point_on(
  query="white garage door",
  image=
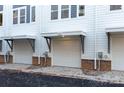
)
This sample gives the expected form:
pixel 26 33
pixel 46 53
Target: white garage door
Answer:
pixel 22 52
pixel 118 53
pixel 67 52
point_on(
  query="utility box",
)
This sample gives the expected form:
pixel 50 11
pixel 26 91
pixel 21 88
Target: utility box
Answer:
pixel 100 55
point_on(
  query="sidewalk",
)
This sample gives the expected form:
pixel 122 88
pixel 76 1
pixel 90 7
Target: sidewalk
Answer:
pixel 111 76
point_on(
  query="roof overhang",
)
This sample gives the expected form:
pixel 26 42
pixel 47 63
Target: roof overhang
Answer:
pixel 115 30
pixel 18 37
pixel 61 34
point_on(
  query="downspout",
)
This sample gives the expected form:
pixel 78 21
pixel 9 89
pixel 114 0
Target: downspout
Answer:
pixel 40 38
pixel 95 63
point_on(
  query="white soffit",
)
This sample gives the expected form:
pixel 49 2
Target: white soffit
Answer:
pixel 114 29
pixel 19 37
pixel 66 33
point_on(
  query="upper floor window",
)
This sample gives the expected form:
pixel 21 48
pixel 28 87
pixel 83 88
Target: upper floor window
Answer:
pixel 81 10
pixel 15 17
pixel 73 11
pixel 33 14
pixel 54 12
pixel 64 11
pixel 22 16
pixel 1 19
pixel 1 15
pixel 0 45
pixel 67 11
pixel 115 7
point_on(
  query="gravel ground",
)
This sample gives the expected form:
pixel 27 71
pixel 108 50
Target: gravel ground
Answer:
pixel 110 76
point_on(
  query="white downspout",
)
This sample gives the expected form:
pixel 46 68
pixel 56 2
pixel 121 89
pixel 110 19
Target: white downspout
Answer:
pixel 40 40
pixel 95 64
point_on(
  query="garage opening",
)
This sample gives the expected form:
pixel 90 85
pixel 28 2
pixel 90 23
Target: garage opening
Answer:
pixel 65 47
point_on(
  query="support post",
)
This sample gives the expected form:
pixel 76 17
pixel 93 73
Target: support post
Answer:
pixel 32 44
pixel 108 36
pixel 10 45
pixel 82 43
pixel 48 40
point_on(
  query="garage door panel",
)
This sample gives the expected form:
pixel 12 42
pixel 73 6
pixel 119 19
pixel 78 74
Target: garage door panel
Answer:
pixel 22 52
pixel 66 52
pixel 118 53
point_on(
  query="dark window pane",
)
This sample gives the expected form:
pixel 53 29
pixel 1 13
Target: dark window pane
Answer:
pixel 17 6
pixel 73 11
pixel 22 16
pixel 65 14
pixel 0 45
pixel 54 12
pixel 115 7
pixel 28 14
pixel 65 7
pixel 15 16
pixel 54 7
pixel 54 15
pixel 1 19
pixel 33 14
pixel 22 19
pixel 81 10
pixel 64 11
pixel 22 12
pixel 15 20
pixel 1 7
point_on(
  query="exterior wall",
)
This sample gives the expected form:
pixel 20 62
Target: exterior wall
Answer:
pixel 94 23
pixel 32 28
pixel 84 23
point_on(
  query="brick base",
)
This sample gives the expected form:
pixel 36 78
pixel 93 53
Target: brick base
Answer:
pixel 105 65
pixel 2 59
pixel 43 62
pixel 102 65
pixel 35 61
pixel 87 64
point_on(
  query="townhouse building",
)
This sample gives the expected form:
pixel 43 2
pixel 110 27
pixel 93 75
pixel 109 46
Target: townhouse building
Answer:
pixel 82 36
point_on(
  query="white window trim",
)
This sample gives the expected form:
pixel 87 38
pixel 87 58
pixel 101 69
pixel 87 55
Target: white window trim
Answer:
pixel 18 9
pixel 69 18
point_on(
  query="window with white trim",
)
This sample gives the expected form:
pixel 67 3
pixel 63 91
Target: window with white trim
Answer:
pixel 115 7
pixel 0 45
pixel 33 14
pixel 1 19
pixel 54 12
pixel 19 15
pixel 15 16
pixel 65 11
pixel 22 16
pixel 73 11
pixel 81 10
